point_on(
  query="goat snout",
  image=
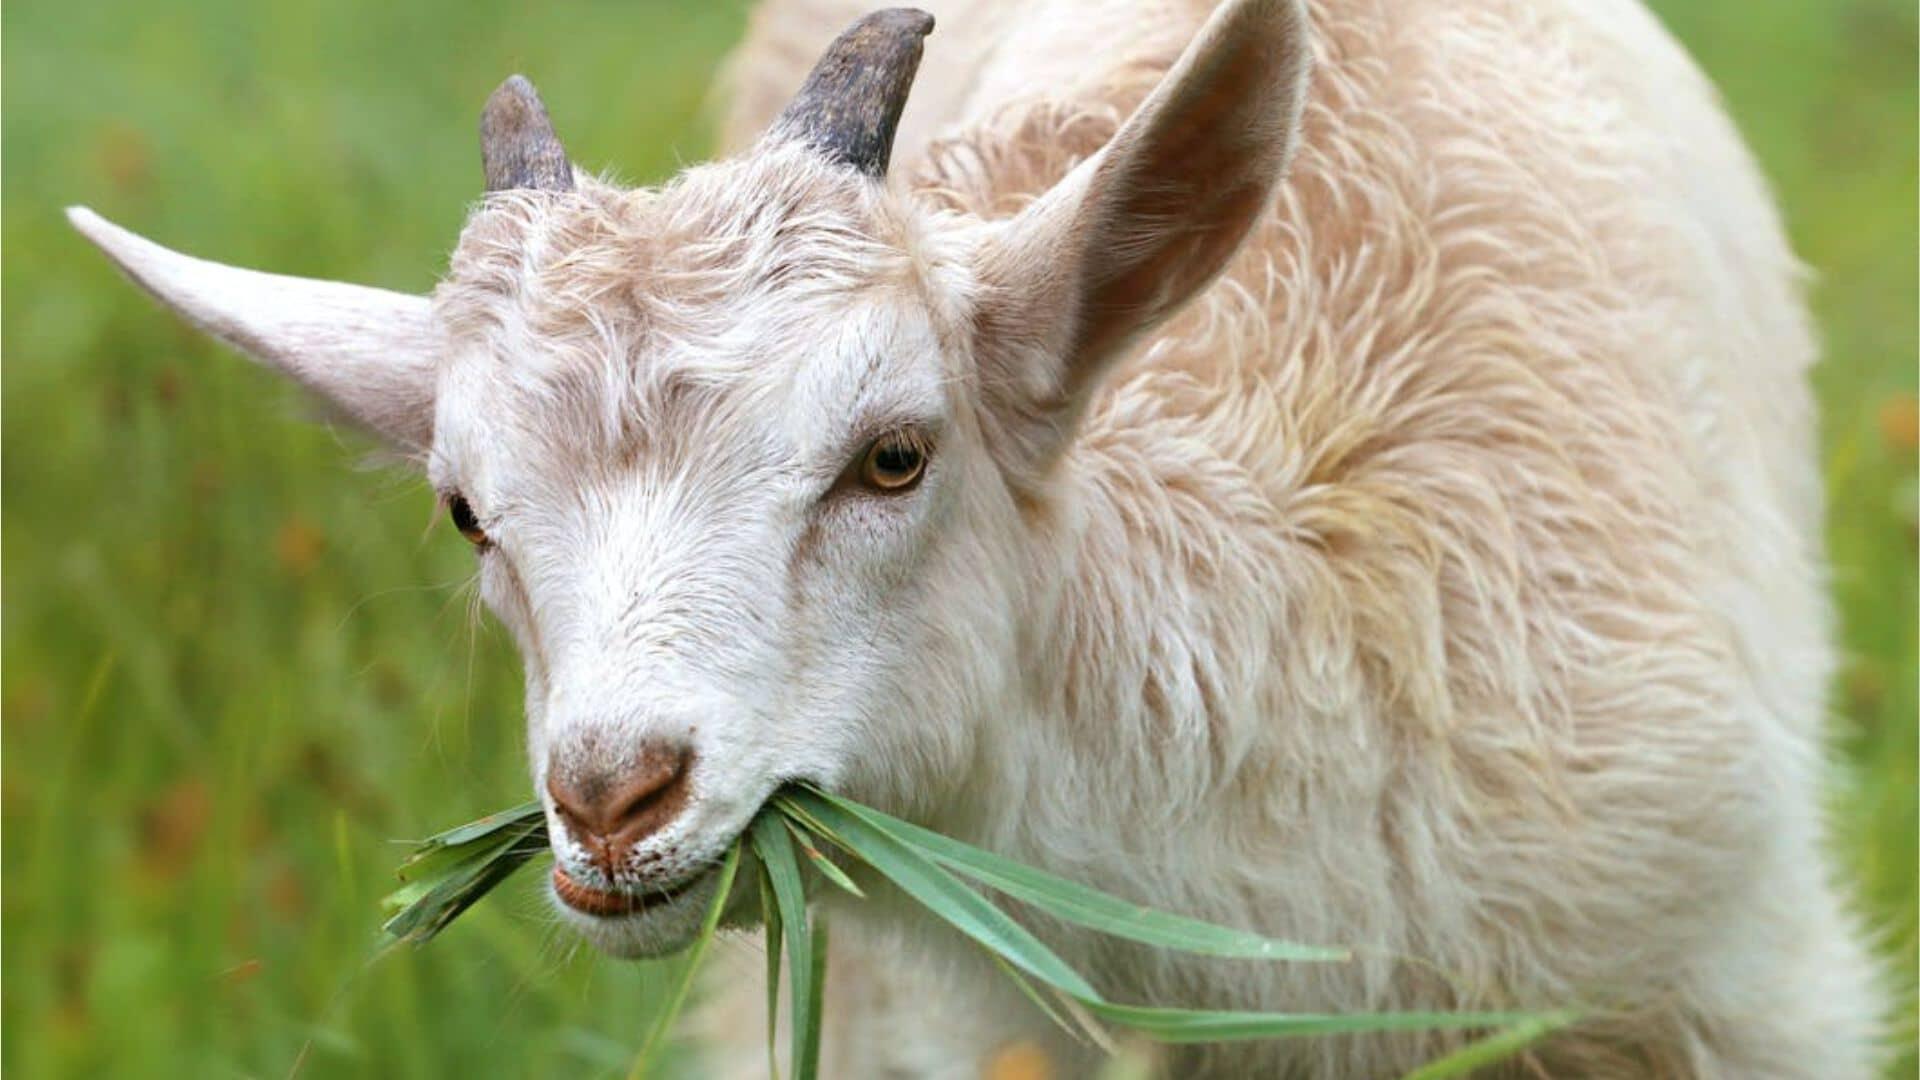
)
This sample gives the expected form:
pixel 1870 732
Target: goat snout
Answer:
pixel 609 811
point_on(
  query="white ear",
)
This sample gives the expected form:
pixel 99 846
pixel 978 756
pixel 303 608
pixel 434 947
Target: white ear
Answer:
pixel 369 352
pixel 1140 227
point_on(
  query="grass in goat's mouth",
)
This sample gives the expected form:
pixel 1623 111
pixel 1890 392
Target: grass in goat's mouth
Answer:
pixel 792 836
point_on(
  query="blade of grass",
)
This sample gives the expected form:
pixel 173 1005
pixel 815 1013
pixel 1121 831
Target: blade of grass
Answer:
pixel 1494 1048
pixel 1078 904
pixel 663 1023
pixel 820 862
pixel 425 913
pixel 445 847
pixel 774 848
pixel 770 919
pixel 816 993
pixel 1082 1027
pixel 524 814
pixel 947 897
pixel 1203 1025
pixel 433 858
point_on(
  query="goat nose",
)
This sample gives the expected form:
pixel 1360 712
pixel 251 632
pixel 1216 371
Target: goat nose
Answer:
pixel 608 812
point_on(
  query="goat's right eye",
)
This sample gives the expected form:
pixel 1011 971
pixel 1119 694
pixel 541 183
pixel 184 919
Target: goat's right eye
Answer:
pixel 463 519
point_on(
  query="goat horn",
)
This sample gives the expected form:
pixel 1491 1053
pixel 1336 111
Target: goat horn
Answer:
pixel 518 148
pixel 850 104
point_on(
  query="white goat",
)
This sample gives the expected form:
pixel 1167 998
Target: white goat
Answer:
pixel 1424 558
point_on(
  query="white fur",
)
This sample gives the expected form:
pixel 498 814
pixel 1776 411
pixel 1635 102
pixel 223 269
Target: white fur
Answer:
pixel 1441 580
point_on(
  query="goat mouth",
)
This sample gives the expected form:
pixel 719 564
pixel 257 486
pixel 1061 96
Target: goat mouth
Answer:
pixel 606 904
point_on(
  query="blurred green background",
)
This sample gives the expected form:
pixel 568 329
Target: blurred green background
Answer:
pixel 236 667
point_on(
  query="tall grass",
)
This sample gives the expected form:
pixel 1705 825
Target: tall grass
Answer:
pixel 233 667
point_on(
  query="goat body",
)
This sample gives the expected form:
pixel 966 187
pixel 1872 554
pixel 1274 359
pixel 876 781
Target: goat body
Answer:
pixel 1376 507
pixel 1445 578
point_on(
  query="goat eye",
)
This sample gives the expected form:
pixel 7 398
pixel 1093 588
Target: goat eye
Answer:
pixel 893 464
pixel 463 519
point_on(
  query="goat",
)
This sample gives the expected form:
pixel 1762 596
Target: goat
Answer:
pixel 1419 552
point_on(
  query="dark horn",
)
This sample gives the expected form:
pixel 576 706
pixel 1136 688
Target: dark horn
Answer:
pixel 518 148
pixel 850 105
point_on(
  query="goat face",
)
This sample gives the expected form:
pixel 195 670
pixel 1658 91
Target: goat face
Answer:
pixel 714 447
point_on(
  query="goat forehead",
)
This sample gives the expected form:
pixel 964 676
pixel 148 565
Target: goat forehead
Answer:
pixel 790 391
pixel 673 259
pixel 744 301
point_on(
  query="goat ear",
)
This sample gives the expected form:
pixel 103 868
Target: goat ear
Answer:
pixel 368 352
pixel 1141 226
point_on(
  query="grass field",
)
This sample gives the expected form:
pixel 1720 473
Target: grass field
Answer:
pixel 236 668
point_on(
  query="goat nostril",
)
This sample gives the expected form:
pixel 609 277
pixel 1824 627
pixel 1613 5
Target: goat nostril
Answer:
pixel 653 782
pixel 573 809
pixel 609 813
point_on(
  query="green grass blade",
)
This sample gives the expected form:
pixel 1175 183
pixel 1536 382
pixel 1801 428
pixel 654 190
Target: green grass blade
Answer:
pixel 434 858
pixel 1081 1027
pixel 406 896
pixel 662 1024
pixel 1494 1048
pixel 943 895
pixel 820 861
pixel 517 817
pixel 816 993
pixel 428 904
pixel 812 826
pixel 774 848
pixel 1203 1025
pixel 770 919
pixel 1075 903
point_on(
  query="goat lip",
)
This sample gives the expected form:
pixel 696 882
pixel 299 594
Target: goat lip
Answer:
pixel 605 904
